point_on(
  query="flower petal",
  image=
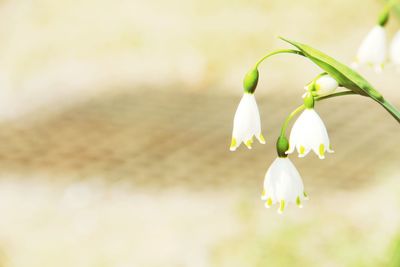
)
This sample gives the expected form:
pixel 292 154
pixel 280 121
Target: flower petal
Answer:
pixel 395 49
pixel 308 133
pixel 373 48
pixel 282 184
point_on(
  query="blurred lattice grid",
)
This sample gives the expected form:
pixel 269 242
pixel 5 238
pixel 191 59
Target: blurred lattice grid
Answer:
pixel 162 139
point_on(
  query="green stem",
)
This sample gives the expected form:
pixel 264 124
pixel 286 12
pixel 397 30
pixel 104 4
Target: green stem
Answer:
pixel 302 107
pixel 390 108
pixel 335 95
pixel 392 4
pixel 281 51
pixel 290 117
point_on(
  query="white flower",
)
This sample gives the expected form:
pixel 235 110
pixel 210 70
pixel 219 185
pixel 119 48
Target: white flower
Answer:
pixel 246 123
pixel 323 85
pixel 308 133
pixel 395 49
pixel 373 48
pixel 283 185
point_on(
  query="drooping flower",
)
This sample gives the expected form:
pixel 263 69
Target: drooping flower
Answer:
pixel 395 50
pixel 283 185
pixel 246 123
pixel 309 133
pixel 323 85
pixel 372 50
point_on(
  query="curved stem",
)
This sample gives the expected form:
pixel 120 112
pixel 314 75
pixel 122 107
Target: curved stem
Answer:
pixel 302 107
pixel 335 95
pixel 281 51
pixel 289 118
pixel 316 78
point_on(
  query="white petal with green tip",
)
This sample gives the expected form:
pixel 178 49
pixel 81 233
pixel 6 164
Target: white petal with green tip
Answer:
pixel 246 123
pixel 283 185
pixel 372 50
pixel 309 133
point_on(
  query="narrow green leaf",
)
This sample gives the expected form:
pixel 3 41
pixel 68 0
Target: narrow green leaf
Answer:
pixel 345 76
pixel 391 109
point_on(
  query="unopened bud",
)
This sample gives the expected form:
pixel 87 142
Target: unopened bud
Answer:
pixel 325 85
pixel 282 145
pixel 250 81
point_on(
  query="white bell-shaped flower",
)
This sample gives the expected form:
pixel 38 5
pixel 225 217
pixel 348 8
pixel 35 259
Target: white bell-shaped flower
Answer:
pixel 395 50
pixel 246 123
pixel 283 185
pixel 373 48
pixel 309 133
pixel 323 85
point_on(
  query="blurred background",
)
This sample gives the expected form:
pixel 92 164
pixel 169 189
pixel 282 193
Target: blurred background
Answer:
pixel 115 124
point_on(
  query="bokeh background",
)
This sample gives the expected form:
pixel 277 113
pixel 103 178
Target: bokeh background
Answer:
pixel 115 123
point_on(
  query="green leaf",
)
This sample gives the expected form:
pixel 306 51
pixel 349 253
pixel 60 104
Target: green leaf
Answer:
pixel 345 76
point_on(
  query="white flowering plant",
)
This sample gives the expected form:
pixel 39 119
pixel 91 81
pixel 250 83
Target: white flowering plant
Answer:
pixel 283 183
pixel 373 48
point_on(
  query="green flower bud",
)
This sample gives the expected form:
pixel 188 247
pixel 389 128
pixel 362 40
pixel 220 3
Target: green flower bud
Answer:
pixel 282 145
pixel 383 17
pixel 309 101
pixel 250 81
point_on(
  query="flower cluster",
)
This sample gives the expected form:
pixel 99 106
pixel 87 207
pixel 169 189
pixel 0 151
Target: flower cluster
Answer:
pixel 282 182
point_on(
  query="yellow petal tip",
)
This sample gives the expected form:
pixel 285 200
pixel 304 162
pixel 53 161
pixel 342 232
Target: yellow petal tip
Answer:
pixel 261 139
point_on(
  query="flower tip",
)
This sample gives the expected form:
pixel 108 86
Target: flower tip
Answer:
pixel 249 143
pixel 264 195
pixel 233 145
pixel 298 202
pixel 321 151
pixel 281 206
pixel 268 203
pixel 261 139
